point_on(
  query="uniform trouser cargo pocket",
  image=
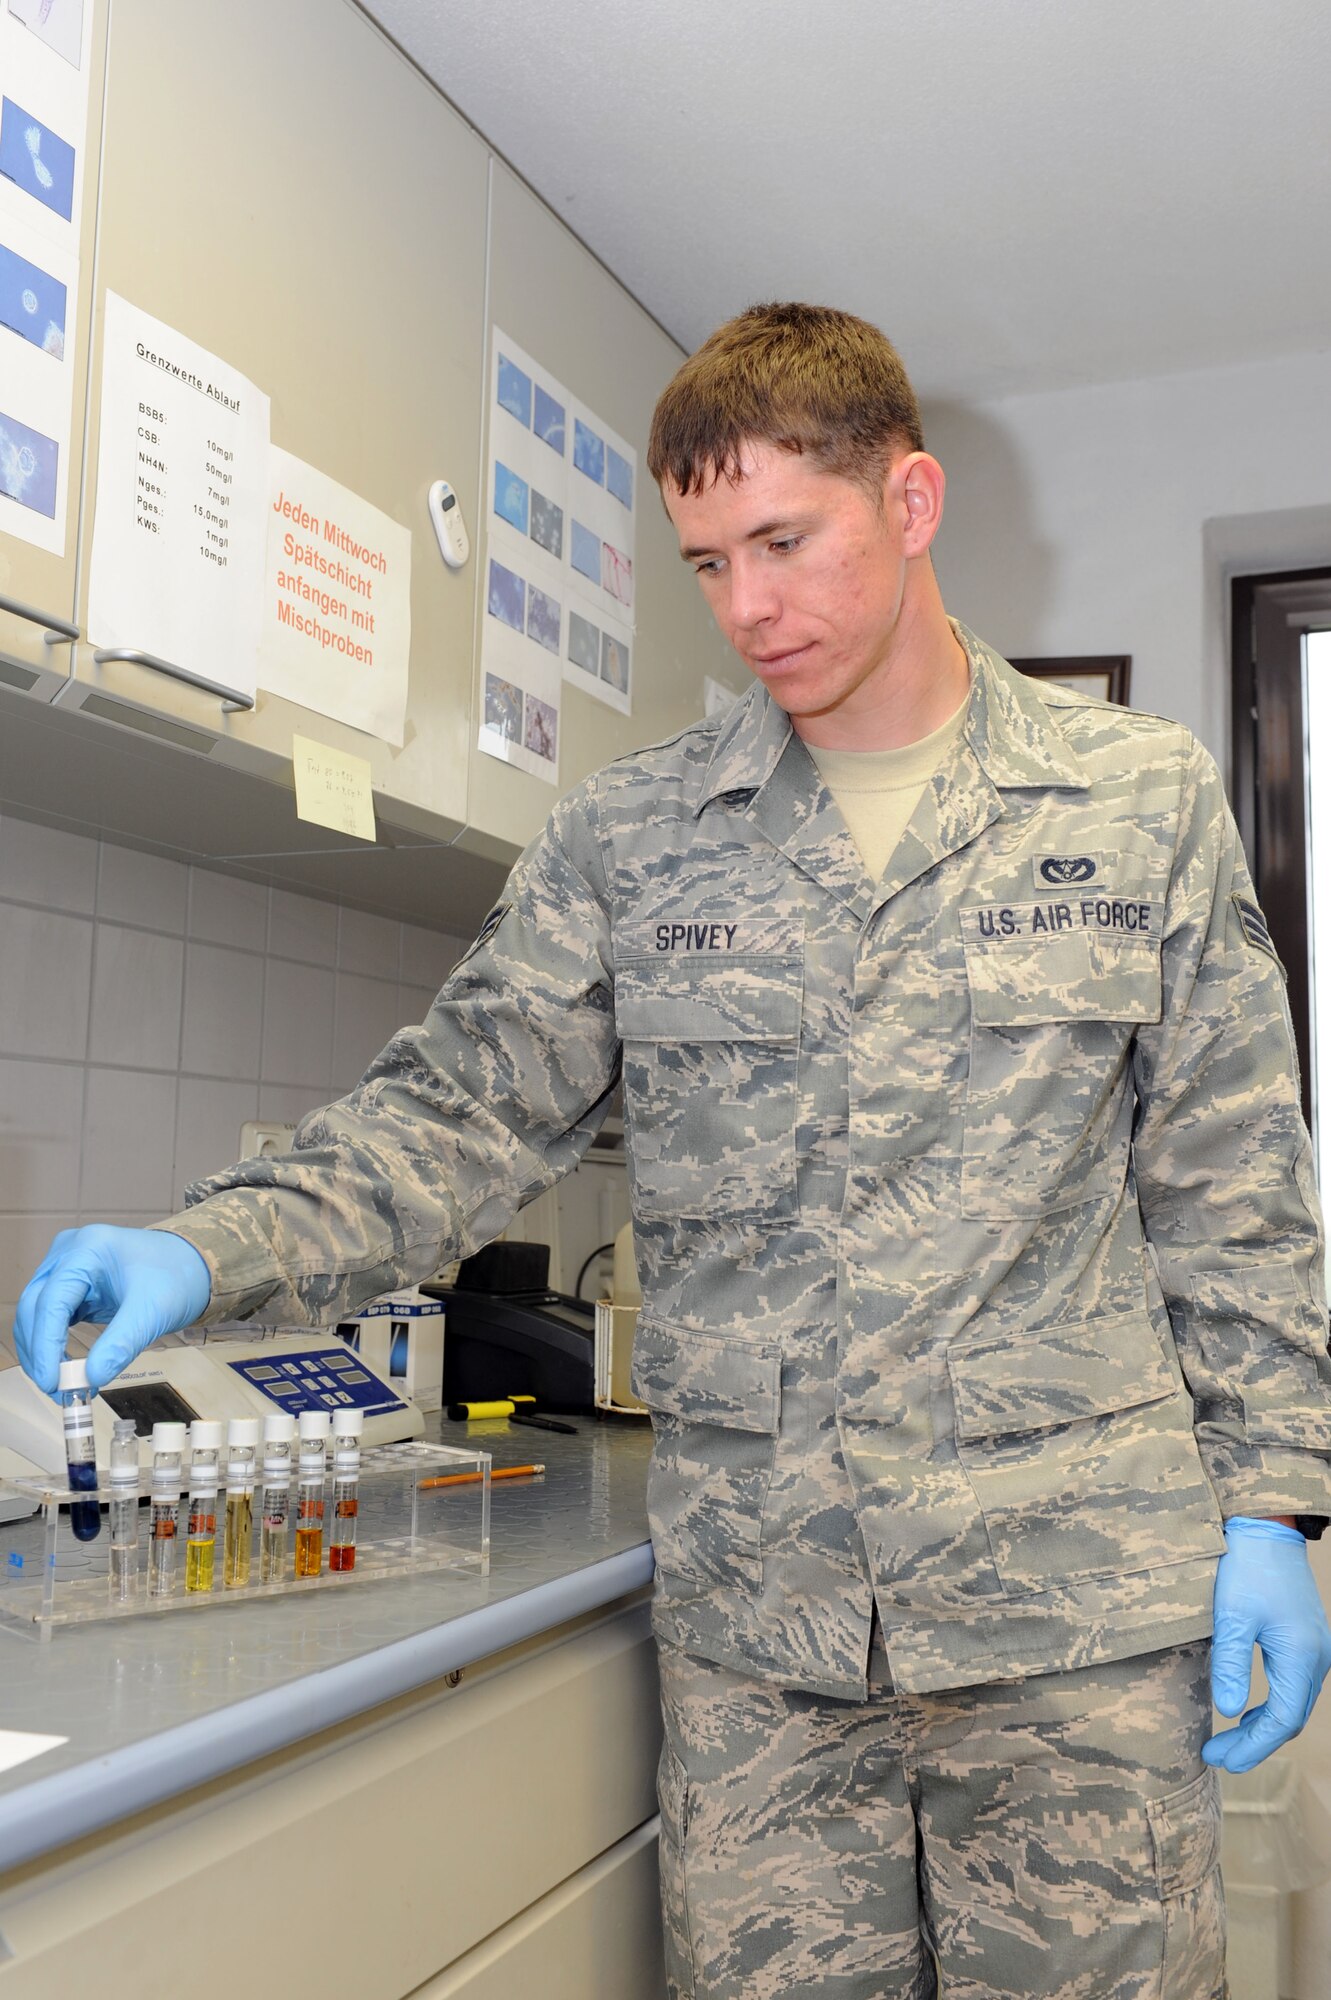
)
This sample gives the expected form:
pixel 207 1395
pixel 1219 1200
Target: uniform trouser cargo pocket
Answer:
pixel 715 1405
pixel 1185 1828
pixel 672 1793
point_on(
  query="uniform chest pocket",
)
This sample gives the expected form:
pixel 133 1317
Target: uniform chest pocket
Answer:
pixel 711 1069
pixel 1048 1097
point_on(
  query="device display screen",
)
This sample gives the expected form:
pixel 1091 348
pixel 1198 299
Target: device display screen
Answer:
pixel 565 1316
pixel 149 1403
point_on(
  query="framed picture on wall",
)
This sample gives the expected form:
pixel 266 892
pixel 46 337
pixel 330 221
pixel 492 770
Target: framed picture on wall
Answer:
pixel 1105 675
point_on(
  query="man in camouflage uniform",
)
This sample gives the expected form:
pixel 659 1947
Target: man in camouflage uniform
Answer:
pixel 980 1256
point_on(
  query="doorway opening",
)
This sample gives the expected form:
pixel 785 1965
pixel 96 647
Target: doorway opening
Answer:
pixel 1282 800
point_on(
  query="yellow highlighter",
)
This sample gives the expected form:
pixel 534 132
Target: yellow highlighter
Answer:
pixel 503 1407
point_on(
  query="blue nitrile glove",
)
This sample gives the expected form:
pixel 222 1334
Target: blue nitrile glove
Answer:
pixel 137 1283
pixel 1265 1595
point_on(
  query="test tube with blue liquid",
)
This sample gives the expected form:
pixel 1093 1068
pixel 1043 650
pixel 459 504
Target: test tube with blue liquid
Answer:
pixel 80 1449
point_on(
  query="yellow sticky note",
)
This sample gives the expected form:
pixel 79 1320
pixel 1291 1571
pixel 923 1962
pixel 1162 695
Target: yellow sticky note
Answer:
pixel 333 788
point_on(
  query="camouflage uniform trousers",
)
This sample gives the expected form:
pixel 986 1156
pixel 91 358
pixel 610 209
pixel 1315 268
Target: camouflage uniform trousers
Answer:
pixel 1055 1837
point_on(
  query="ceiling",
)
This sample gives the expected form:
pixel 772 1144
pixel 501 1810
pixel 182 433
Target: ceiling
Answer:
pixel 1026 194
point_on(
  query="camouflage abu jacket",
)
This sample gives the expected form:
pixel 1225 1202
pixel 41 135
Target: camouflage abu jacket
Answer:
pixel 980 1254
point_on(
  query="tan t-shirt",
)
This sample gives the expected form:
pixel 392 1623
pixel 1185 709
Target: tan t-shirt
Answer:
pixel 878 790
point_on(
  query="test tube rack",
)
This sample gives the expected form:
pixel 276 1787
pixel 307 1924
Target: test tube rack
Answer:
pixel 49 1579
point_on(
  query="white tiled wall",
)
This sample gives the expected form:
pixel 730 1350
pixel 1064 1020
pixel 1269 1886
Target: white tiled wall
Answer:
pixel 147 1009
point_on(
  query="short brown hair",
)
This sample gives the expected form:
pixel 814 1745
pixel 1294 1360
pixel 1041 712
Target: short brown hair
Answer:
pixel 803 378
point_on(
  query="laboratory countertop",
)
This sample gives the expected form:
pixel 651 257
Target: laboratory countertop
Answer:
pixel 152 1706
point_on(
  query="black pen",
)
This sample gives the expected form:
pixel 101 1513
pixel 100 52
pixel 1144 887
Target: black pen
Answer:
pixel 535 1423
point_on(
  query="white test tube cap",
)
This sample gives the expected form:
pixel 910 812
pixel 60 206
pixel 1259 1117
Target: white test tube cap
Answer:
pixel 279 1427
pixel 169 1436
pixel 348 1423
pixel 73 1375
pixel 314 1424
pixel 242 1431
pixel 205 1434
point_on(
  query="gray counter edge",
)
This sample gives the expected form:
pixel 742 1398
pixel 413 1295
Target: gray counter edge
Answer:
pixel 53 1811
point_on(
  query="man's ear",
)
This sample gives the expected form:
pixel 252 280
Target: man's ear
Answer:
pixel 920 483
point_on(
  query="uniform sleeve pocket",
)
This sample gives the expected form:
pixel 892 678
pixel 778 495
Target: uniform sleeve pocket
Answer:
pixel 716 1409
pixel 1264 1342
pixel 1077 1441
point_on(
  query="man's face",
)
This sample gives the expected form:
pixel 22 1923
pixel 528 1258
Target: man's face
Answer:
pixel 804 575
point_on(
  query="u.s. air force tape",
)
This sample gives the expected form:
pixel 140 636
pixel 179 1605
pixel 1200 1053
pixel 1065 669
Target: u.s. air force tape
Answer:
pixel 1110 916
pixel 1253 925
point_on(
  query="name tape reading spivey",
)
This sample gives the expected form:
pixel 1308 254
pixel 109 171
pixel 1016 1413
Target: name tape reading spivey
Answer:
pixel 740 937
pixel 1118 916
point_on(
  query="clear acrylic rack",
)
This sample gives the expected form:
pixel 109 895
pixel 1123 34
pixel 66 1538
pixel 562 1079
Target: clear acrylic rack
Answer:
pixel 406 1527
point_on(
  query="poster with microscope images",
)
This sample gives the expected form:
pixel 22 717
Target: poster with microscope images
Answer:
pixel 45 49
pixel 561 492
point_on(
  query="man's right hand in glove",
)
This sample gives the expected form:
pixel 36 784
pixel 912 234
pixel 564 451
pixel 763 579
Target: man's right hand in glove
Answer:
pixel 135 1283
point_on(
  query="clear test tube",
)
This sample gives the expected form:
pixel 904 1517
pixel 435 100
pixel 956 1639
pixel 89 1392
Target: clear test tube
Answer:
pixel 310 1492
pixel 124 1510
pixel 80 1450
pixel 205 1438
pixel 347 1427
pixel 242 1442
pixel 279 1432
pixel 168 1445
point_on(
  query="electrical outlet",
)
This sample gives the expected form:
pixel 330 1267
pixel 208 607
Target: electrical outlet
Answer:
pixel 258 1135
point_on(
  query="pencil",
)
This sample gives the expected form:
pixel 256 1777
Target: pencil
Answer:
pixel 473 1478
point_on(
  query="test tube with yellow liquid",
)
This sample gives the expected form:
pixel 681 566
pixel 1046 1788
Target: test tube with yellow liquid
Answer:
pixel 310 1475
pixel 205 1437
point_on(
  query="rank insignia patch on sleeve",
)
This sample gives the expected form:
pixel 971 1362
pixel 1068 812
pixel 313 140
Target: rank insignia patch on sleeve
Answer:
pixel 492 923
pixel 487 930
pixel 1253 924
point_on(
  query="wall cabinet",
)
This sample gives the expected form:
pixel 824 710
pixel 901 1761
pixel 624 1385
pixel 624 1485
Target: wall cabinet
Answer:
pixel 283 187
pixel 31 578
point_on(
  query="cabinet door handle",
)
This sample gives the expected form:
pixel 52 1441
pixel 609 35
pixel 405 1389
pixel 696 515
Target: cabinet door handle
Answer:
pixel 229 697
pixel 56 631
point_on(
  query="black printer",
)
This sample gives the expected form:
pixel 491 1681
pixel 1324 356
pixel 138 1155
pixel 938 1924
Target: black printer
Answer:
pixel 507 1334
